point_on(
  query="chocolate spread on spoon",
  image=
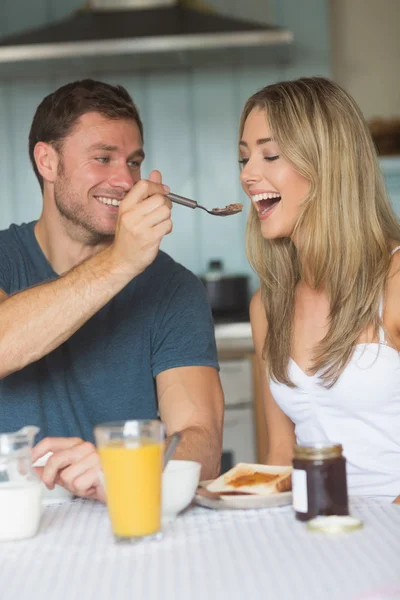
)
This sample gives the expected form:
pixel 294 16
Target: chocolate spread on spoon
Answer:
pixel 230 208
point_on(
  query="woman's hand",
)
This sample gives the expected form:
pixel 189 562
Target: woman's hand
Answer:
pixel 396 500
pixel 74 464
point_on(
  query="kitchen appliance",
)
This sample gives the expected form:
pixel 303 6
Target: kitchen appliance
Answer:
pixel 228 294
pixel 139 35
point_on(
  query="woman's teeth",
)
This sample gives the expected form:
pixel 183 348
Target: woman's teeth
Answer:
pixel 109 201
pixel 266 196
pixel 266 201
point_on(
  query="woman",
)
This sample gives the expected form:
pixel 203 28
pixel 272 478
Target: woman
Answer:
pixel 325 242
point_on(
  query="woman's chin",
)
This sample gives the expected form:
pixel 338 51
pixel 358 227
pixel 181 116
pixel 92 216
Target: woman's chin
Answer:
pixel 274 230
pixel 270 233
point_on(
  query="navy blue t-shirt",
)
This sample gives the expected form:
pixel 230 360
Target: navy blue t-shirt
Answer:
pixel 106 370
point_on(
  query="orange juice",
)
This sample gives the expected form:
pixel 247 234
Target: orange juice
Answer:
pixel 132 474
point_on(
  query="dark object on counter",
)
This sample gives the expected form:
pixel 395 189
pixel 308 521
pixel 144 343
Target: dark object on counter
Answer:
pixel 319 481
pixel 228 294
pixel 386 135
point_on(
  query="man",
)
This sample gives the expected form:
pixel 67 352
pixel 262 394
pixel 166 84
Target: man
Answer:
pixel 96 323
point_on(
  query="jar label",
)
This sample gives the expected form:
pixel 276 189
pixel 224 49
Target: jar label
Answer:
pixel 299 485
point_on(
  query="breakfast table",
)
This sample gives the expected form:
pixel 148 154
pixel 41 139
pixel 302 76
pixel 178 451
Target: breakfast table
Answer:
pixel 205 554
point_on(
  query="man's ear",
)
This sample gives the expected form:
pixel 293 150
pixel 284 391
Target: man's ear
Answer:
pixel 47 159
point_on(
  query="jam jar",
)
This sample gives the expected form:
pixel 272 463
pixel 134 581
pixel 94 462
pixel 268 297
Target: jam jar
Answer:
pixel 319 481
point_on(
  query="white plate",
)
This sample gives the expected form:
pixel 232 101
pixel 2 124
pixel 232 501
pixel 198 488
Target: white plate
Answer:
pixel 243 502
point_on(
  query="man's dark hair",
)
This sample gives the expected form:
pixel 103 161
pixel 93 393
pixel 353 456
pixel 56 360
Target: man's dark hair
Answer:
pixel 58 113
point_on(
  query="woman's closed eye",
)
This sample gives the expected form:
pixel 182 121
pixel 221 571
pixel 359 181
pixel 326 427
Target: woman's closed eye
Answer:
pixel 244 161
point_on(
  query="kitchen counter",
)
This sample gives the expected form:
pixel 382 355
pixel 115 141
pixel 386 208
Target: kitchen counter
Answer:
pixel 234 337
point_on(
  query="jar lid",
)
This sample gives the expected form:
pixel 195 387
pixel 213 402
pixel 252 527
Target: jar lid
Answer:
pixel 318 451
pixel 334 524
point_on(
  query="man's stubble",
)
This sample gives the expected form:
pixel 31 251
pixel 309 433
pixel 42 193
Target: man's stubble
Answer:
pixel 78 221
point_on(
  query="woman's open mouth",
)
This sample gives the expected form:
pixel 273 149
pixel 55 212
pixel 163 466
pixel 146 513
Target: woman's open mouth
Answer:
pixel 265 202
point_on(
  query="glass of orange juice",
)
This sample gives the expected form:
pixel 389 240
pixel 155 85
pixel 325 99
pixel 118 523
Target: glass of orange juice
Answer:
pixel 131 455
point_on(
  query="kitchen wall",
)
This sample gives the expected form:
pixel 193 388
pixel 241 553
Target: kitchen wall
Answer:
pixel 366 53
pixel 190 120
pixel 365 61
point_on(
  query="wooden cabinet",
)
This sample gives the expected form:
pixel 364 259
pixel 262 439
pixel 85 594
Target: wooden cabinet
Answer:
pixel 241 384
pixel 239 438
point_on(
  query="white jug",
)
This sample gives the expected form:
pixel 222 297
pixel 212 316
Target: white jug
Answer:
pixel 20 488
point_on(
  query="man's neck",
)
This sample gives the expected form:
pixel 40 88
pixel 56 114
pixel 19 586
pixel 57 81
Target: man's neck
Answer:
pixel 62 250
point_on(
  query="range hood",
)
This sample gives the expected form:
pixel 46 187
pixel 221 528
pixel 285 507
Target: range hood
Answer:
pixel 140 35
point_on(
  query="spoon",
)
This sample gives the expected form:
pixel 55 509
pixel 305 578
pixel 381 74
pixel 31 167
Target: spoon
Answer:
pixel 231 209
pixel 171 447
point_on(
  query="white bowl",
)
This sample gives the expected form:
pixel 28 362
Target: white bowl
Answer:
pixel 179 483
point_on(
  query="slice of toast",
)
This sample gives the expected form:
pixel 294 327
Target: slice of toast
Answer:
pixel 253 479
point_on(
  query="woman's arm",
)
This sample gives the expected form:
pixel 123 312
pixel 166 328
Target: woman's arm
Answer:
pixel 280 428
pixel 391 315
pixel 392 309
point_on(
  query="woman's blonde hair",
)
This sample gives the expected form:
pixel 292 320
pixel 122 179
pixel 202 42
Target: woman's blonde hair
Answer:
pixel 344 232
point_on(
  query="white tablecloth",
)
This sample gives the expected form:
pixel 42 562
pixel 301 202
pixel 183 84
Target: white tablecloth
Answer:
pixel 205 555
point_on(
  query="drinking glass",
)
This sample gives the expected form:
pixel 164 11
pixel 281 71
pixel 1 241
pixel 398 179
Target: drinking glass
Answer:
pixel 131 455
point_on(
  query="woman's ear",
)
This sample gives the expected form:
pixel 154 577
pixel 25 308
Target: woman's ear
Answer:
pixel 47 159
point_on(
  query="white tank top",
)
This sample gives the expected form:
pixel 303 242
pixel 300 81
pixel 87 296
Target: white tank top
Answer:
pixel 361 411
